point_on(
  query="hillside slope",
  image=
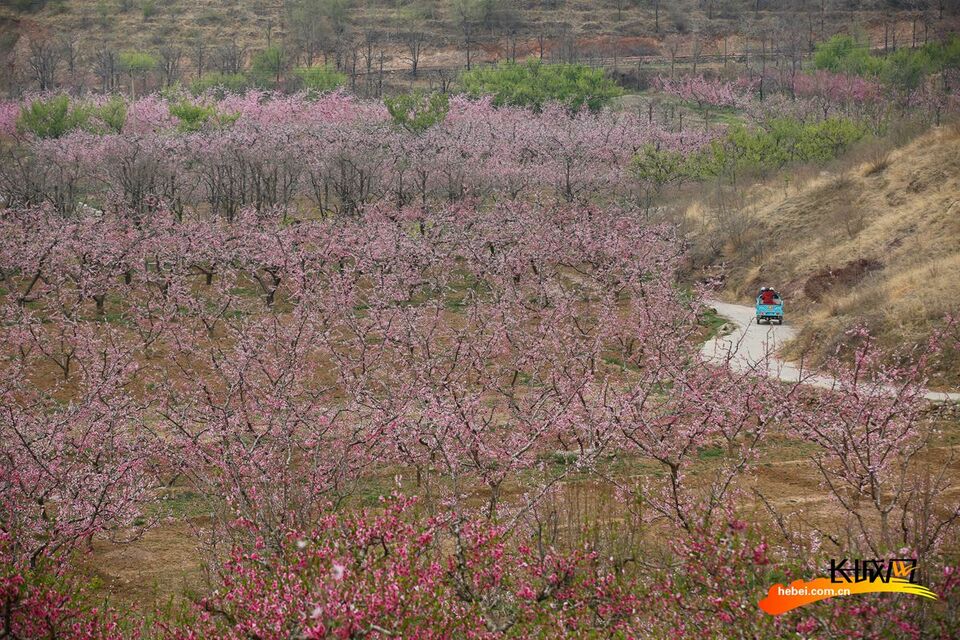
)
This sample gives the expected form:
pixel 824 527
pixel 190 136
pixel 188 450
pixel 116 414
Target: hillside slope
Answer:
pixel 563 30
pixel 879 242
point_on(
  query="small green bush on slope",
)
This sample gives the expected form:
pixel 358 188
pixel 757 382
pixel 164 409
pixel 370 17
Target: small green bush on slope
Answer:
pixel 534 84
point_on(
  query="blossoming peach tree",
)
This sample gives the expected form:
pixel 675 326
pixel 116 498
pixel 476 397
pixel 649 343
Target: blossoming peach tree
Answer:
pixel 294 307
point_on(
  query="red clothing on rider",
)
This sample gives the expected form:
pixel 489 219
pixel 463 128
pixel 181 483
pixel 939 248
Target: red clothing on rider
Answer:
pixel 767 296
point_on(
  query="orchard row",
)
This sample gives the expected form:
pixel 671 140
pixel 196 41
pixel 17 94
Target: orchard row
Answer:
pixel 337 154
pixel 276 365
pixel 334 155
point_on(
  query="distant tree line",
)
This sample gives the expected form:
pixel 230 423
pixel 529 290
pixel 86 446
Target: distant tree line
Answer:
pixel 320 44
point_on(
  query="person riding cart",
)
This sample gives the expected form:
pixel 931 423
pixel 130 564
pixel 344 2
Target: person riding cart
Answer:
pixel 769 306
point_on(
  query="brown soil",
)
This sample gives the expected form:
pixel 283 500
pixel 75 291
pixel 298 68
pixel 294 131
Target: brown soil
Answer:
pixel 164 564
pixel 820 284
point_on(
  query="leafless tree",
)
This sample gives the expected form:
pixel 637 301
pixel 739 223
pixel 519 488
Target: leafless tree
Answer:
pixel 44 57
pixel 696 49
pixel 380 76
pixel 621 5
pixel 466 17
pixel 512 36
pixel 918 11
pixel 763 61
pixel 70 46
pixel 199 46
pixel 709 6
pixel 811 35
pixel 673 48
pixel 415 43
pixel 353 61
pixel 566 44
pixel 791 45
pixel 268 27
pixel 308 28
pixel 230 57
pixel 342 34
pixel 106 66
pixel 371 39
pixel 445 79
pixel 170 63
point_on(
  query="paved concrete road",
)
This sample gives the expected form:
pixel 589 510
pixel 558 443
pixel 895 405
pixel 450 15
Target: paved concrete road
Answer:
pixel 752 346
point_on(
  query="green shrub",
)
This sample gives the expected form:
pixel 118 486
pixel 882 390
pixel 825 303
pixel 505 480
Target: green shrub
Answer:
pixel 54 117
pixel 267 66
pixel 194 117
pixel 149 8
pixel 28 6
pixel 904 69
pixel 846 54
pixel 104 14
pixel 137 63
pixel 320 78
pixel 535 84
pixel 416 112
pixel 221 83
pixel 113 113
pixel 656 168
pixel 782 142
pixel 173 92
pixel 947 54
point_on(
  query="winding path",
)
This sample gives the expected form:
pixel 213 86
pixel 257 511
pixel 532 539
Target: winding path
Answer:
pixel 752 346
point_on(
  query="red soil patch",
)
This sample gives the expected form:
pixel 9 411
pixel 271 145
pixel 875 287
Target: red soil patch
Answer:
pixel 820 284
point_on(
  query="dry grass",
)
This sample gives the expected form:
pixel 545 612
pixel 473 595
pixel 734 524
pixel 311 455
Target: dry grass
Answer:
pixel 880 163
pixel 879 243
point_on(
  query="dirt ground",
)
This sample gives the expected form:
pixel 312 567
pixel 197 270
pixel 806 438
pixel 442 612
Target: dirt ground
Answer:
pixel 164 564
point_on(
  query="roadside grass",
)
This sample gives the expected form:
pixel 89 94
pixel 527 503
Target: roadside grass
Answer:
pixel 181 503
pixel 715 324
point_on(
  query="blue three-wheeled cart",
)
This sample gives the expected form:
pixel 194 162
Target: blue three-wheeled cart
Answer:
pixel 769 306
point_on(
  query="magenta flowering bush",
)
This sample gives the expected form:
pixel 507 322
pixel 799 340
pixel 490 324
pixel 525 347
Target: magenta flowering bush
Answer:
pixel 377 575
pixel 276 368
pixel 9 112
pixel 35 604
pixel 842 90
